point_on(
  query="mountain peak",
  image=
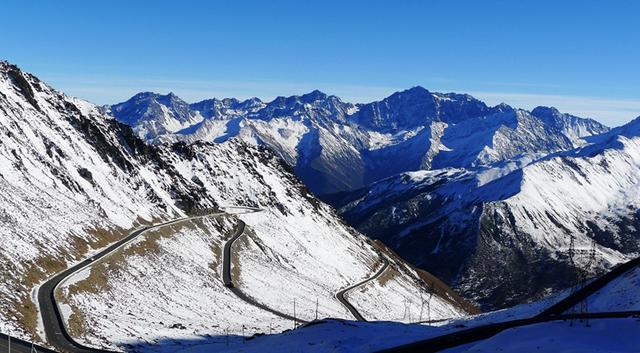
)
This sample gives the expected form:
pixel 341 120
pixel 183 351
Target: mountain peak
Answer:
pixel 545 111
pixel 313 96
pixel 170 99
pixel 417 89
pixel 143 96
pixel 4 65
pixel 503 107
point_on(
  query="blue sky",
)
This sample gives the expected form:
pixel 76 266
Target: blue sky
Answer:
pixel 580 56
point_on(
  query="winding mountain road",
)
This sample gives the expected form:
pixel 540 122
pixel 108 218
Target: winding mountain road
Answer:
pixel 553 313
pixel 340 295
pixel 54 324
pixel 226 271
pixel 228 281
pixel 52 318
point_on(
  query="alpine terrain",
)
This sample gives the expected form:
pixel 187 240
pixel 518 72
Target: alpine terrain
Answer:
pixel 210 239
pixel 528 225
pixel 335 146
pixel 427 173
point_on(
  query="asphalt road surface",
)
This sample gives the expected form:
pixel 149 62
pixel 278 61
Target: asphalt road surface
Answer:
pixel 54 325
pixel 345 302
pixel 58 336
pixel 226 272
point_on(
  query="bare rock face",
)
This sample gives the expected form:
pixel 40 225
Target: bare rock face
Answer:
pixel 74 179
pixel 336 146
pixel 502 233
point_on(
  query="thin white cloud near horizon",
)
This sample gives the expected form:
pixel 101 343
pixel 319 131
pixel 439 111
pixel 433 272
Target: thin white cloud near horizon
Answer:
pixel 100 90
pixel 611 112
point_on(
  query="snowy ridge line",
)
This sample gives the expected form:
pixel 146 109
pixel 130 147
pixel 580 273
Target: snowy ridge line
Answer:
pixel 226 269
pixel 583 293
pixel 56 330
pixel 345 302
pixel 553 313
pixel 478 333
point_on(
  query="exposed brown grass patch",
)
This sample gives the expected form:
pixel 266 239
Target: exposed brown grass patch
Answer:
pixel 389 274
pixel 239 245
pixel 27 314
pixel 148 243
pixel 98 279
pixel 77 324
pixel 36 271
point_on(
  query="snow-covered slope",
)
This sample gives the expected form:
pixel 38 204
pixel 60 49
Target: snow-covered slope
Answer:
pixel 593 335
pixel 73 180
pixel 502 233
pixel 622 294
pixel 70 179
pixel 578 335
pixel 336 146
pixel 152 114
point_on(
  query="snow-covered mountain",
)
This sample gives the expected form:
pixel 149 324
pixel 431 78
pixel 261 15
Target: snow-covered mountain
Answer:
pixel 73 180
pixel 336 146
pixel 551 336
pixel 502 233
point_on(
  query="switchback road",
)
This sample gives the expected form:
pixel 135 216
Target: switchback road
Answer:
pixel 226 271
pixel 55 327
pixel 52 319
pixel 345 302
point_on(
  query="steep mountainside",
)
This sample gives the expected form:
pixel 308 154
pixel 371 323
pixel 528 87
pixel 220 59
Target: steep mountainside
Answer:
pixel 336 146
pixel 502 233
pixel 551 336
pixel 73 180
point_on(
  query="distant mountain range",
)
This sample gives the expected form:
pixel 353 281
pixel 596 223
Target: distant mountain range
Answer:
pixel 336 146
pixel 73 180
pixel 502 233
pixel 481 196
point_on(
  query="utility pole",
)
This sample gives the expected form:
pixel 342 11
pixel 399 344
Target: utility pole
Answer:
pixel 295 321
pixel 429 306
pixel 316 308
pixel 404 315
pixel 421 308
pixel 571 253
pixel 584 304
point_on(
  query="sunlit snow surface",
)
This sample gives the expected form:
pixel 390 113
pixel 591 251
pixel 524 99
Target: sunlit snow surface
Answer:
pixel 622 294
pixel 68 173
pixel 593 336
pixel 349 336
pixel 601 335
pixel 337 146
pixel 572 336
